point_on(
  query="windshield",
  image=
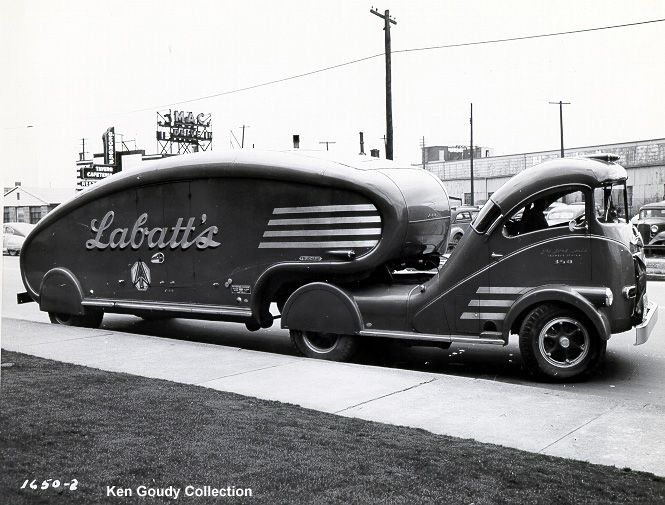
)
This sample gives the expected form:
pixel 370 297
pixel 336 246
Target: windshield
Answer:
pixel 612 202
pixel 486 216
pixel 21 229
pixel 652 213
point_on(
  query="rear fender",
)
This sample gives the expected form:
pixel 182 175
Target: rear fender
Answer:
pixel 61 292
pixel 322 307
pixel 565 295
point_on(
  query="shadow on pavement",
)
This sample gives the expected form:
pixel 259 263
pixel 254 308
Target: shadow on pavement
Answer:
pixel 470 360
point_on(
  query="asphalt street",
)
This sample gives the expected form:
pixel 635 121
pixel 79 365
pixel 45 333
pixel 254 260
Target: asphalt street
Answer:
pixel 630 372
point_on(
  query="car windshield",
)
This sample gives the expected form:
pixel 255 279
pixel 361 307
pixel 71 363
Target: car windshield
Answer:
pixel 652 213
pixel 486 216
pixel 21 229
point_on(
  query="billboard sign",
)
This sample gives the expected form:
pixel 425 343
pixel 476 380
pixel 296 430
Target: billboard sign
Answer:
pixel 108 138
pixel 187 131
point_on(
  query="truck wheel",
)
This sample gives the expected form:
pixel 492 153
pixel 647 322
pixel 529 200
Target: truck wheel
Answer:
pixel 556 343
pixel 330 346
pixel 91 319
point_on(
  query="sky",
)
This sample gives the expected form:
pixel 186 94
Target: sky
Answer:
pixel 74 68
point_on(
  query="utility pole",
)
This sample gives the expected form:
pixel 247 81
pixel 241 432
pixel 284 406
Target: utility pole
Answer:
pixel 471 123
pixel 422 149
pixel 561 104
pixel 123 142
pixel 82 153
pixel 326 142
pixel 242 145
pixel 389 98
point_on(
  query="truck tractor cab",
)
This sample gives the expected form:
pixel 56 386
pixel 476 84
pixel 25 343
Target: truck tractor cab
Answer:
pixel 563 288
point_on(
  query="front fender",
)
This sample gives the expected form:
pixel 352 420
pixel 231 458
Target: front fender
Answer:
pixel 560 294
pixel 321 307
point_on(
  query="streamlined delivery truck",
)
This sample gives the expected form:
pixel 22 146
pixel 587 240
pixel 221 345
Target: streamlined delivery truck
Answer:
pixel 350 250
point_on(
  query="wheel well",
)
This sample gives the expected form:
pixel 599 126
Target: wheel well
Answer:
pixel 517 323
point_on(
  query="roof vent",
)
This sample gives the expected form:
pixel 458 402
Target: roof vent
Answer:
pixel 606 157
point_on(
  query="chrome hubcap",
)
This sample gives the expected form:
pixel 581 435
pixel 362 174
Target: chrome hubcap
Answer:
pixel 564 342
pixel 320 343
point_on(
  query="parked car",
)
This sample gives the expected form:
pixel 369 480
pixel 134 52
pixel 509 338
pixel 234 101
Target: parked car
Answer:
pixel 564 214
pixel 13 236
pixel 651 220
pixel 460 220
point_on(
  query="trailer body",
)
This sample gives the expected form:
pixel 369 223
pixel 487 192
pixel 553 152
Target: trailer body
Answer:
pixel 221 236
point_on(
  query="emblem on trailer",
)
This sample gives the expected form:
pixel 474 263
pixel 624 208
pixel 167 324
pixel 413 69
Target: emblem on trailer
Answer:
pixel 141 276
pixel 157 258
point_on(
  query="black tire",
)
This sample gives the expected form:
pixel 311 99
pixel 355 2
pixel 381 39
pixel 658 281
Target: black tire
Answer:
pixel 329 346
pixel 559 344
pixel 91 319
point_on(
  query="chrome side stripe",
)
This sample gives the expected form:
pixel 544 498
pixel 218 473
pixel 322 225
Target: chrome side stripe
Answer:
pixel 325 220
pixel 324 208
pixel 491 303
pixel 318 245
pixel 295 221
pixel 483 315
pixel 323 233
pixel 501 290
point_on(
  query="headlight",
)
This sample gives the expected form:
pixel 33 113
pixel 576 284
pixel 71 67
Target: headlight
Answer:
pixel 654 228
pixel 609 297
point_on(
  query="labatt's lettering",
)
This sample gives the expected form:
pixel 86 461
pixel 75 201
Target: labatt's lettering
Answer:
pixel 183 236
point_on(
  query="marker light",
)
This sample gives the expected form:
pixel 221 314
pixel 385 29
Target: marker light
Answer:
pixel 609 297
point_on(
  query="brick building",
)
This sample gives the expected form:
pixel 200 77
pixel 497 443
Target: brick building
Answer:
pixel 644 160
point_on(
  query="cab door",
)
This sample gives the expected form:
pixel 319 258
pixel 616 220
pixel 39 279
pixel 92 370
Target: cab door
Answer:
pixel 526 250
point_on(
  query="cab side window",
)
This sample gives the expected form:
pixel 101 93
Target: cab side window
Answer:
pixel 547 211
pixel 609 202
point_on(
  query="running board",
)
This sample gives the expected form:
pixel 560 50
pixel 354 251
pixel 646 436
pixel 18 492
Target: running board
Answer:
pixel 182 308
pixel 493 338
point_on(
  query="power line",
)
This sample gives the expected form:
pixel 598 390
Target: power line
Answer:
pixel 527 37
pixel 366 58
pixel 428 48
pixel 261 85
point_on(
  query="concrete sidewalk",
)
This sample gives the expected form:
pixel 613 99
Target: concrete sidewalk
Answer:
pixel 571 425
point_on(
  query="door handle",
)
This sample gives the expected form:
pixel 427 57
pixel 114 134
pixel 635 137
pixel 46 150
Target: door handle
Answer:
pixel 496 256
pixel 344 254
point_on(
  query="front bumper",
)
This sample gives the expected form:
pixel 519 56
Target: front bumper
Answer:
pixel 643 330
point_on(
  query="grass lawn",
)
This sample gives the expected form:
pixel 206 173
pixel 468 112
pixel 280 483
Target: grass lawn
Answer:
pixel 63 421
